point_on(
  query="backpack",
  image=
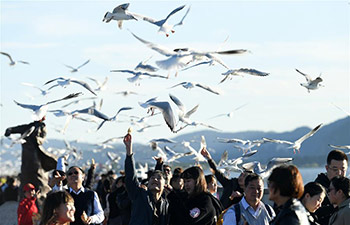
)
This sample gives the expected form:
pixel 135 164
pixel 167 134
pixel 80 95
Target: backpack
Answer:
pixel 238 213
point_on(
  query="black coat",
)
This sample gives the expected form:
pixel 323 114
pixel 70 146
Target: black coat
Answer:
pixel 325 212
pixel 292 213
pixel 229 185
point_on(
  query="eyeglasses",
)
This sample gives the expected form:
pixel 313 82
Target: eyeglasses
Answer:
pixel 71 173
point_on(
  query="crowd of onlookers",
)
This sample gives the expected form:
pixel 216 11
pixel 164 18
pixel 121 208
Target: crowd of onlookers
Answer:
pixel 177 196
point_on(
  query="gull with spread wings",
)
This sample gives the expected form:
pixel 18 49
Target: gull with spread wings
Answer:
pixel 137 75
pixel 63 82
pixel 12 62
pixel 230 114
pixel 297 144
pixel 73 69
pixel 120 13
pixel 164 26
pixel 241 72
pixel 190 85
pixel 312 84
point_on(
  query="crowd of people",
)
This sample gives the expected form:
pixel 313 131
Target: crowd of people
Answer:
pixel 185 196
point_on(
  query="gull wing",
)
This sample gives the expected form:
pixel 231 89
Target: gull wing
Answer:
pixel 58 78
pixel 85 85
pixel 308 78
pixel 160 49
pixel 74 95
pixel 347 147
pixel 278 141
pixel 316 81
pixel 24 62
pixel 312 132
pixel 26 106
pixel 165 140
pixel 208 89
pixel 182 20
pixel 178 103
pixel 121 8
pixel 83 64
pixel 8 55
pixel 182 83
pixel 121 109
pixel 70 67
pixel 174 11
pixel 223 158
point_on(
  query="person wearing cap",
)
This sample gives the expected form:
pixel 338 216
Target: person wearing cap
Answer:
pixel 36 161
pixel 232 188
pixel 27 207
pixel 339 195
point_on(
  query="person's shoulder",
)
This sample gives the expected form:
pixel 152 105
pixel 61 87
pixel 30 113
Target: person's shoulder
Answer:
pixel 322 179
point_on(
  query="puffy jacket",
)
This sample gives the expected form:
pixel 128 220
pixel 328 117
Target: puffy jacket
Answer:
pixel 292 213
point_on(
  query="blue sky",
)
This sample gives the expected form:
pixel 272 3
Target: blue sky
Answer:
pixel 312 36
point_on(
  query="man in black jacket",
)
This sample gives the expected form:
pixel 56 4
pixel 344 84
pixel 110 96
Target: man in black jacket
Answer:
pixel 337 165
pixel 148 206
pixel 232 188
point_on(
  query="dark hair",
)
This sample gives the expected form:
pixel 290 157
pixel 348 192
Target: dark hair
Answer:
pixel 178 171
pixel 343 184
pixel 76 167
pixel 166 165
pixel 250 177
pixel 53 201
pixel 336 155
pixel 313 188
pixel 155 172
pixel 288 180
pixel 197 174
pixel 209 178
pixel 175 178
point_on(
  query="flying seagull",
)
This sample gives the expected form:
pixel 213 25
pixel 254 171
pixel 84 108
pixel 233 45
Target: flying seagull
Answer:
pixel 42 91
pixel 142 66
pixel 164 26
pixel 40 110
pixel 344 147
pixel 297 144
pixel 63 82
pixel 138 74
pixel 230 114
pixel 311 84
pixel 12 62
pixel 190 85
pixel 241 72
pixel 120 13
pixel 265 172
pixel 77 69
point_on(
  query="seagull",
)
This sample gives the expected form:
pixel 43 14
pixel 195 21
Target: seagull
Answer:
pixel 297 144
pixel 230 114
pixel 94 112
pixel 100 86
pixel 184 116
pixel 113 157
pixel 146 127
pixel 40 110
pixel 240 72
pixel 120 13
pixel 126 93
pixel 190 85
pixel 344 147
pixel 166 110
pixel 164 27
pixel 245 145
pixel 163 140
pixel 63 82
pixel 233 165
pixel 12 63
pixel 172 155
pixel 142 66
pixel 265 172
pixel 181 57
pixel 77 69
pixel 137 75
pixel 311 84
pixel 198 157
pixel 43 92
pixel 78 101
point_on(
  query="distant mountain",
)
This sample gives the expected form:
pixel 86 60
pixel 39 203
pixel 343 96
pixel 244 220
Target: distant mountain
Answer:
pixel 313 151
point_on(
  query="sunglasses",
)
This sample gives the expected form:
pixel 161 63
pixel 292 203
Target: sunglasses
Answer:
pixel 71 173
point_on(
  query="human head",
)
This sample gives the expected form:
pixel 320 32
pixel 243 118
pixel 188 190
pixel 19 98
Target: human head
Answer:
pixel 167 173
pixel 178 171
pixel 29 190
pixel 58 208
pixel 253 189
pixel 242 176
pixel 194 181
pixel 339 190
pixel 285 181
pixel 313 196
pixel 156 182
pixel 75 177
pixel 212 184
pixel 177 182
pixel 337 164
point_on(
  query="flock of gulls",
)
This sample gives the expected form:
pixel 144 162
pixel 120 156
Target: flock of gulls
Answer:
pixel 177 119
